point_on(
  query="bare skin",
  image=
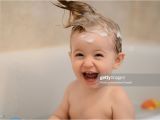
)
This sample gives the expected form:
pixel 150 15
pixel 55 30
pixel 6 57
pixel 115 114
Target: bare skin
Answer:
pixel 108 102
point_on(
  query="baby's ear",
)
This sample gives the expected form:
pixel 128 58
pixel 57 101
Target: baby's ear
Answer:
pixel 118 60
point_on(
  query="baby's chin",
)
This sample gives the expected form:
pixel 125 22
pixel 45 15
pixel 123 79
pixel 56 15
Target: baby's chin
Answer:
pixel 95 86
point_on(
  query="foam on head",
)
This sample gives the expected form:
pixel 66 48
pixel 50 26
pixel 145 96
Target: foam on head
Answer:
pixel 88 38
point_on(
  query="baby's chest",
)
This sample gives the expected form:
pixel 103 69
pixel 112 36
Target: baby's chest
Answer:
pixel 89 108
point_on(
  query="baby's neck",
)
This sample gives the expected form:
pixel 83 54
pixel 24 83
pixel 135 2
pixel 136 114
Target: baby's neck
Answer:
pixel 90 90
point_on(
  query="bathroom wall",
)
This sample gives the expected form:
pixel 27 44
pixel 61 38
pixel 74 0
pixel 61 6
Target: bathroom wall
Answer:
pixel 30 24
pixel 139 20
pixel 37 24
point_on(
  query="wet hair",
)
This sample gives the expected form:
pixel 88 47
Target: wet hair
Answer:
pixel 83 18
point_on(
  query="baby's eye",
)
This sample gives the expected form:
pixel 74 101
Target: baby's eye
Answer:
pixel 99 55
pixel 79 55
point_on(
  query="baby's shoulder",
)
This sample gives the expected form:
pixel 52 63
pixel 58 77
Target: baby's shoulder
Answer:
pixel 118 92
pixel 72 86
pixel 119 97
pixel 120 103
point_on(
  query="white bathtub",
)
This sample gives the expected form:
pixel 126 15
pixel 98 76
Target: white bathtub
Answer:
pixel 33 81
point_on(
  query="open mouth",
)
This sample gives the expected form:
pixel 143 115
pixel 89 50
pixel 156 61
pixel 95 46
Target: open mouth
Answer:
pixel 90 76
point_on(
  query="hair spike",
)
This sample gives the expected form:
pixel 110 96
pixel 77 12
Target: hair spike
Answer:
pixel 83 17
pixel 77 10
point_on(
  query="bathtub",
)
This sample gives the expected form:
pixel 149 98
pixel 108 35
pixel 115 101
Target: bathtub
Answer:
pixel 33 81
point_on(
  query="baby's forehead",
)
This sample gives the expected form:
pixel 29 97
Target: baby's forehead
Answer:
pixel 92 39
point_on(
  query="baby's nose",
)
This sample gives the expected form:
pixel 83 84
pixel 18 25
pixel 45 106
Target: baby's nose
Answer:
pixel 88 62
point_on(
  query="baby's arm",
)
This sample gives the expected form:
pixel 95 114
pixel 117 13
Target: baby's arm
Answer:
pixel 62 111
pixel 122 107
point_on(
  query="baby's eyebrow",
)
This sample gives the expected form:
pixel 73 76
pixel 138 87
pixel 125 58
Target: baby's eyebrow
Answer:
pixel 101 51
pixel 77 50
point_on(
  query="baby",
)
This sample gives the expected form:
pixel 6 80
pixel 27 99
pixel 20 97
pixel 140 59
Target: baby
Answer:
pixel 96 49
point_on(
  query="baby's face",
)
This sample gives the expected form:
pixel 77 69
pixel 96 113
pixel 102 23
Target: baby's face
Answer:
pixel 91 55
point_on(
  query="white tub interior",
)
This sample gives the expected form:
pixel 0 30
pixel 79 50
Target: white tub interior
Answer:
pixel 33 81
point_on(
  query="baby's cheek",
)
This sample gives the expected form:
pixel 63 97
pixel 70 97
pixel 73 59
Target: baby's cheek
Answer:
pixel 76 65
pixel 105 68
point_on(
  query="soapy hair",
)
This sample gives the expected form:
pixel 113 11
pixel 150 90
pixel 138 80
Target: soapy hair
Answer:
pixel 83 18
